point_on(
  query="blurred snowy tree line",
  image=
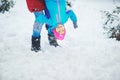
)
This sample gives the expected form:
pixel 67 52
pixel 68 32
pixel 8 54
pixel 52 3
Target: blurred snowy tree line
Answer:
pixel 5 5
pixel 111 23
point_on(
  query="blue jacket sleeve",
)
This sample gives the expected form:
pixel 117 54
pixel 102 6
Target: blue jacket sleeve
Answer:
pixel 72 15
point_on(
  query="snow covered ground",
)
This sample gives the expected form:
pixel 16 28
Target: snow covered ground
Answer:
pixel 86 53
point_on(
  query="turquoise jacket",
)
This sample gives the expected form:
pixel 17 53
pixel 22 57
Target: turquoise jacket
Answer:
pixel 58 14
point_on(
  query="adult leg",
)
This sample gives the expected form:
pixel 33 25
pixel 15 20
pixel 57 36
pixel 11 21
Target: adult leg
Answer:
pixel 51 38
pixel 36 36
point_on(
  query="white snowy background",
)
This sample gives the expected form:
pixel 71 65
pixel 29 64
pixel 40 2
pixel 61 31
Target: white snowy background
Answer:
pixel 86 53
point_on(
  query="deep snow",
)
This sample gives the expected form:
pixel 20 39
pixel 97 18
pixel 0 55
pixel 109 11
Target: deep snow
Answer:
pixel 86 53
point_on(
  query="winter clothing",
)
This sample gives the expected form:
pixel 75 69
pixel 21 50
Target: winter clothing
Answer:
pixel 75 25
pixel 59 32
pixel 36 44
pixel 37 27
pixel 35 5
pixel 58 14
pixel 38 8
pixel 52 40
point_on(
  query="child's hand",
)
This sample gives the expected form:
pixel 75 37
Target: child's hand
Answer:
pixel 75 25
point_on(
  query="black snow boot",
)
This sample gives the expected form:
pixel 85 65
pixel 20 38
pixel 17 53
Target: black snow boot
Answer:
pixel 35 44
pixel 52 40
